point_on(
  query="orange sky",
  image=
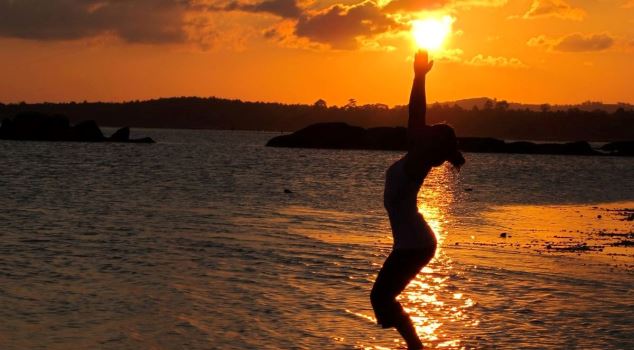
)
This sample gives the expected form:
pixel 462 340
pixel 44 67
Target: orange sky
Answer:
pixel 535 51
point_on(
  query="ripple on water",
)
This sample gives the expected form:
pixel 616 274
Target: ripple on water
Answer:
pixel 192 243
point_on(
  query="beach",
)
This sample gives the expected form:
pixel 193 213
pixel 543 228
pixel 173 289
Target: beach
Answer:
pixel 210 240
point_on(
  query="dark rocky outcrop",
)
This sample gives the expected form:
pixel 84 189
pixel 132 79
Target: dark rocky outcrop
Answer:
pixel 386 138
pixel 344 136
pixel 481 144
pixel 623 148
pixel 86 131
pixel 121 135
pixel 142 140
pixel 324 135
pixel 34 126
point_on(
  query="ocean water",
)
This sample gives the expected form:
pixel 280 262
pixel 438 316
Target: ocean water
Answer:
pixel 193 243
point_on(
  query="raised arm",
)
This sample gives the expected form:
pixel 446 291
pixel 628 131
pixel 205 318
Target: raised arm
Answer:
pixel 417 99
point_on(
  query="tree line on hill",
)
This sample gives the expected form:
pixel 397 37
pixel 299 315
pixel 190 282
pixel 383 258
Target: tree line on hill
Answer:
pixel 493 119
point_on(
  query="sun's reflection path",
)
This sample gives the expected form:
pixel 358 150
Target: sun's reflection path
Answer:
pixel 438 310
pixel 434 305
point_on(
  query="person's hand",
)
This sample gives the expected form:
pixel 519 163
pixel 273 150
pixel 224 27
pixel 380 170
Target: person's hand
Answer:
pixel 422 64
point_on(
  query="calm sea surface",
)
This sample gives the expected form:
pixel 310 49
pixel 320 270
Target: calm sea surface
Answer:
pixel 192 243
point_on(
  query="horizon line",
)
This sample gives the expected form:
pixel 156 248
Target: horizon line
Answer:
pixel 308 104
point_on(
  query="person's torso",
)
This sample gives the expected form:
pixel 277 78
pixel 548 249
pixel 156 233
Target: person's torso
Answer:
pixel 409 229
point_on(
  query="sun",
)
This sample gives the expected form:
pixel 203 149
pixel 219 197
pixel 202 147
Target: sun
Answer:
pixel 431 33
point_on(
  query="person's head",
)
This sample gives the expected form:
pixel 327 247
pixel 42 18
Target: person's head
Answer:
pixel 441 145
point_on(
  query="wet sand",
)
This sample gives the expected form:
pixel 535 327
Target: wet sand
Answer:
pixel 600 233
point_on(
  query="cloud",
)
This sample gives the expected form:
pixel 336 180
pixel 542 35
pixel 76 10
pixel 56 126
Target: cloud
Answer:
pixel 414 5
pixel 219 31
pixel 479 60
pixel 448 55
pixel 343 27
pixel 405 6
pixel 491 61
pixel 468 4
pixel 575 42
pixel 281 8
pixel 283 33
pixel 578 42
pixel 340 26
pixel 147 21
pixel 538 41
pixel 554 8
pixel 366 24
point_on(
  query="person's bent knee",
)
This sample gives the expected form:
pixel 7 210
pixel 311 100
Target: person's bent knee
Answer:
pixel 379 297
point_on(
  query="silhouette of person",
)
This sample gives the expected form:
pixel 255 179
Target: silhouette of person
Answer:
pixel 414 241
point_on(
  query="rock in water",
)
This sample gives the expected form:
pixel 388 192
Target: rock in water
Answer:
pixel 35 126
pixel 343 136
pixel 121 135
pixel 87 131
pixel 621 148
pixel 323 135
pixel 142 140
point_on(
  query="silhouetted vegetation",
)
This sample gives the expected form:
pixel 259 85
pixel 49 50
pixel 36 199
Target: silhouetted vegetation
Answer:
pixel 493 119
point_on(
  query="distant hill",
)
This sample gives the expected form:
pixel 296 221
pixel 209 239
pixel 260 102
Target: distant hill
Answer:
pixel 479 117
pixel 589 106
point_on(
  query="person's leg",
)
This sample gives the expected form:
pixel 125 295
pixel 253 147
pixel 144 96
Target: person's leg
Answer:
pixel 407 330
pixel 414 263
pixel 397 271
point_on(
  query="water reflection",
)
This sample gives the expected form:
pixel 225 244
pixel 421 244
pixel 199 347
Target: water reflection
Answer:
pixel 431 299
pixel 218 241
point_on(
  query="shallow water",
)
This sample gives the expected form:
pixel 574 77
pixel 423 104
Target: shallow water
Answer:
pixel 192 243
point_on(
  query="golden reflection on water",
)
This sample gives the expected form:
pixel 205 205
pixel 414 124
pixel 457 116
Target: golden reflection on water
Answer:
pixel 428 299
pixel 434 201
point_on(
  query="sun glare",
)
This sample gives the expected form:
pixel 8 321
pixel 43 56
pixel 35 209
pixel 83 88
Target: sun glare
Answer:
pixel 431 33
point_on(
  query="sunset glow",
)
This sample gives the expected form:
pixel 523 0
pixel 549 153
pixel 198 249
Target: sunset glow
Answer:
pixel 555 52
pixel 431 33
